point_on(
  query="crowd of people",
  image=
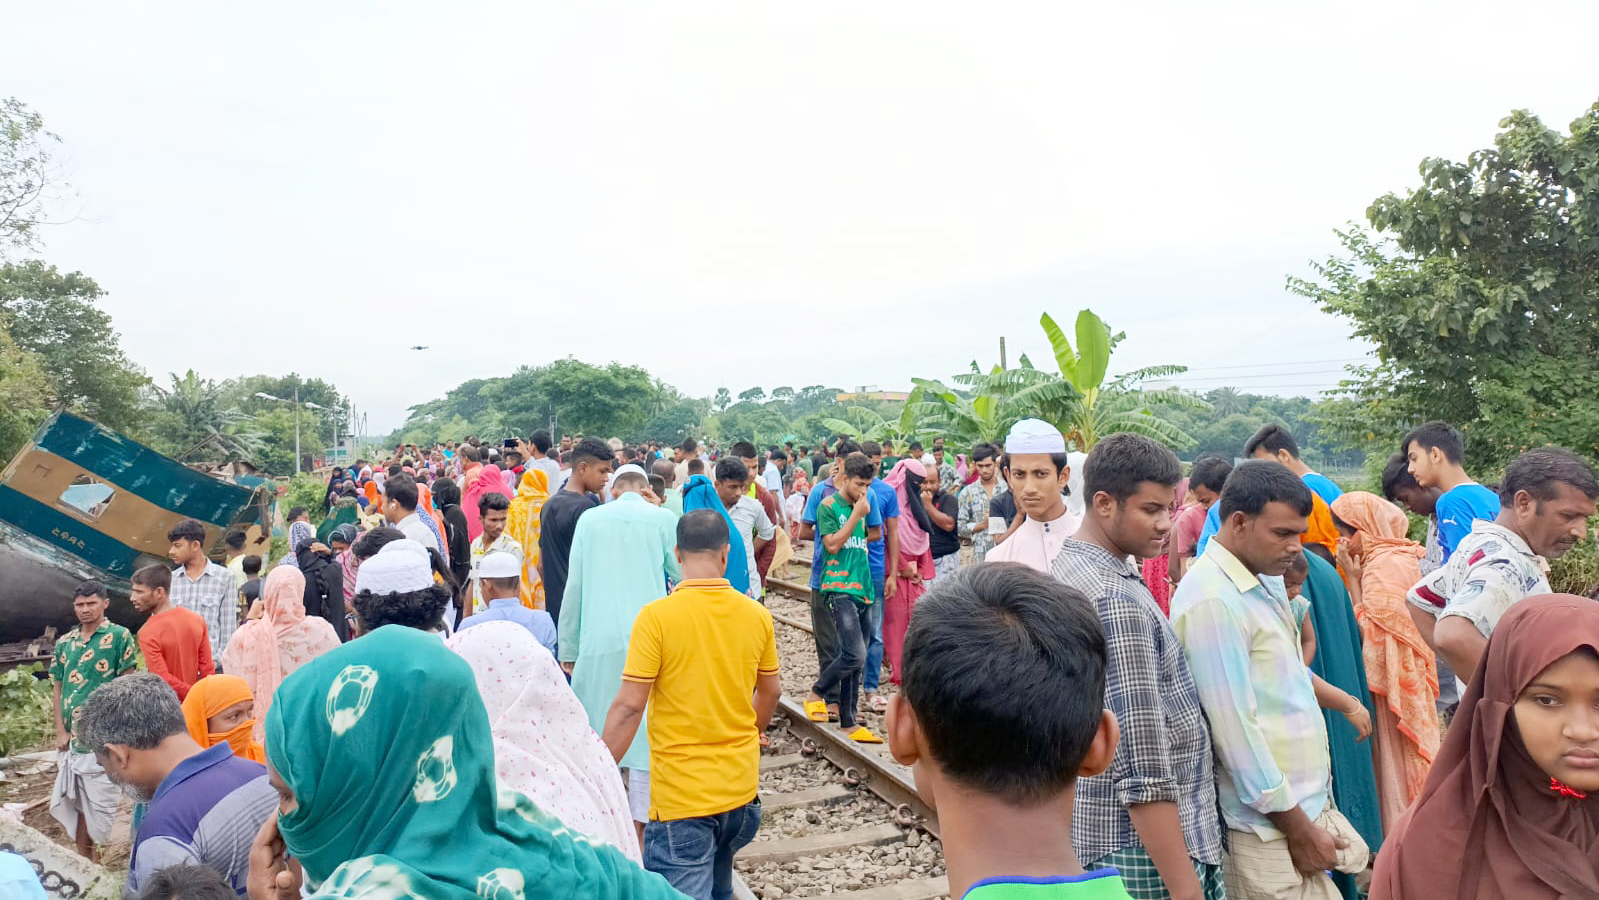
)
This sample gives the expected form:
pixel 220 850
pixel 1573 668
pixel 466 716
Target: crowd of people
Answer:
pixel 543 667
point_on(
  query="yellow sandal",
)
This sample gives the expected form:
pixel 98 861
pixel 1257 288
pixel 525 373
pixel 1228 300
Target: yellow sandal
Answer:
pixel 863 735
pixel 816 710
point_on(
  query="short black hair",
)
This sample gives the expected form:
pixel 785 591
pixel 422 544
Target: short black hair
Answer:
pixel 593 450
pixel 859 465
pixel 492 501
pixel 1005 672
pixel 251 565
pixel 915 449
pixel 446 492
pixel 688 445
pixel 187 530
pixel 1210 472
pixel 1257 482
pixel 1396 477
pixel 1539 471
pixel 845 447
pixel 696 466
pixel 871 448
pixel 541 441
pixel 89 589
pixel 155 575
pixel 778 456
pixel 422 609
pixel 396 469
pixel 731 468
pixel 295 512
pixel 1436 434
pixel 658 485
pixel 235 540
pixel 368 545
pixel 743 450
pixel 702 531
pixel 1119 463
pixel 1273 438
pixel 190 882
pixel 983 451
pixel 402 490
pixel 1058 460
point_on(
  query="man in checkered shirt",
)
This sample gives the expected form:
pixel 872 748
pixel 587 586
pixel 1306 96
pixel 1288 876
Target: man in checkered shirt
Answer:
pixel 1153 814
pixel 201 586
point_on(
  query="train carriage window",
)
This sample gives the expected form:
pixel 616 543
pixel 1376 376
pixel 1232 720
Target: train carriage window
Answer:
pixel 87 496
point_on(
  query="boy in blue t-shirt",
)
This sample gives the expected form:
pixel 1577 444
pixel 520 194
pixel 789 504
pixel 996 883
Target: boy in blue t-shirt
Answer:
pixel 1001 709
pixel 1435 451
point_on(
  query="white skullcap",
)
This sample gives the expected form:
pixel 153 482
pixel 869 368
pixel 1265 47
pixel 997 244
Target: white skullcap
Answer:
pixel 1034 436
pixel 929 463
pixel 400 567
pixel 631 469
pixel 498 564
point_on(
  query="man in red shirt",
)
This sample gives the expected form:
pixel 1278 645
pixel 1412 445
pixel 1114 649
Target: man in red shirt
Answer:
pixel 174 640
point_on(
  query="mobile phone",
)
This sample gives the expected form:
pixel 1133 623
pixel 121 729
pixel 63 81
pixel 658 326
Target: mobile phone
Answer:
pixel 510 443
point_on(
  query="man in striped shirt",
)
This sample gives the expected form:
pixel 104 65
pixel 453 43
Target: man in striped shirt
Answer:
pixel 202 586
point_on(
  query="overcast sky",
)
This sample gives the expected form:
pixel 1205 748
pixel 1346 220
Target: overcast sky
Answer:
pixel 695 187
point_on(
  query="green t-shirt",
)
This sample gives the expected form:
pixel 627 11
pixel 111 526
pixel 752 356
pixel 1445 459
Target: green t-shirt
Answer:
pixel 849 571
pixel 1102 884
pixel 887 466
pixel 81 664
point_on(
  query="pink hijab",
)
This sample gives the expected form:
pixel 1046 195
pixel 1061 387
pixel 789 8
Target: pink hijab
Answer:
pixel 267 650
pixel 913 541
pixel 543 744
pixel 487 481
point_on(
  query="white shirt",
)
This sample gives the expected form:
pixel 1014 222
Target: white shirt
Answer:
pixel 751 520
pixel 772 477
pixel 551 470
pixel 411 526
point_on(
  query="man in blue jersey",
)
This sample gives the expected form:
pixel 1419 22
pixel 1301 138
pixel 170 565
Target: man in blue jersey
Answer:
pixel 1435 452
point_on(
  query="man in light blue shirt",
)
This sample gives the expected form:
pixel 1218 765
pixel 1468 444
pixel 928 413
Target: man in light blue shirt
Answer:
pixel 500 575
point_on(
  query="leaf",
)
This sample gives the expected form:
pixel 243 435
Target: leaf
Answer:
pixel 1093 351
pixel 1065 357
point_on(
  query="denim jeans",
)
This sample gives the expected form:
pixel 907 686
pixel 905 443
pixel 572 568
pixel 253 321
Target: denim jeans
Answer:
pixel 874 638
pixel 826 637
pixel 843 671
pixel 696 855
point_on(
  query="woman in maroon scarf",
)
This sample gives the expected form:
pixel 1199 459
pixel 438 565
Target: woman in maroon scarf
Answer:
pixel 1511 808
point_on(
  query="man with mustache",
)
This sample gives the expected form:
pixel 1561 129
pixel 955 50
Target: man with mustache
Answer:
pixel 1546 500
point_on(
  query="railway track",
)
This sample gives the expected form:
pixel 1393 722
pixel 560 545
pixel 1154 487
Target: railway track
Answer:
pixel 840 819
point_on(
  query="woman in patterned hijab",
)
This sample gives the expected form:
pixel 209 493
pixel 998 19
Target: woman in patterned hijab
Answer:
pixel 388 789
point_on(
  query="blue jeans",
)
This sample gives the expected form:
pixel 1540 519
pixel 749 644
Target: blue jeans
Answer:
pixel 843 671
pixel 696 855
pixel 874 638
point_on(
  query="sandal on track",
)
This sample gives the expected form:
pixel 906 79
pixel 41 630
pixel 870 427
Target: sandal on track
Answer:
pixel 816 710
pixel 863 735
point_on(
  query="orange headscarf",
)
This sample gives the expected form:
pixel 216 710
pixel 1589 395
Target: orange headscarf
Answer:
pixel 522 524
pixel 1321 530
pixel 211 695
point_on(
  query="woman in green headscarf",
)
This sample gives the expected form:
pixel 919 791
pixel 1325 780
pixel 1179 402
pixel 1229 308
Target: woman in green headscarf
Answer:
pixel 344 512
pixel 383 758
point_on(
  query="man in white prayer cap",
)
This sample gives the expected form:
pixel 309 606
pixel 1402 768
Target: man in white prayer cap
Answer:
pixel 1038 474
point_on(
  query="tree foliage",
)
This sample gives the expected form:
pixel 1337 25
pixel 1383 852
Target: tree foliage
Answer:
pixel 1480 290
pixel 28 178
pixel 55 316
pixel 24 394
pixel 190 419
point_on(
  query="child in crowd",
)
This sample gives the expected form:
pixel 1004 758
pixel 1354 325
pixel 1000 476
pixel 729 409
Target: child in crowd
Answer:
pixel 846 594
pixel 1001 711
pixel 1510 807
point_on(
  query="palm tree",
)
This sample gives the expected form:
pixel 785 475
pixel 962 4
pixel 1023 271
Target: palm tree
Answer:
pixel 191 414
pixel 1226 401
pixel 866 424
pixel 987 408
pixel 1082 403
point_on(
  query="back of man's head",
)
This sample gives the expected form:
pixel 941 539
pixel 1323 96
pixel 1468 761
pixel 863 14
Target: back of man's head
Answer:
pixel 665 469
pixel 542 442
pixel 696 466
pixel 189 882
pixel 1005 675
pixel 629 481
pixel 136 711
pixel 702 531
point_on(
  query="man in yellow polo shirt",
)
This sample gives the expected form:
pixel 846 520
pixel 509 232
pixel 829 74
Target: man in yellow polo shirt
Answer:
pixel 704 731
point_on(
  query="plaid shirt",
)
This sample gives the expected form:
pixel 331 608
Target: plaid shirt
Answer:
pixel 1164 754
pixel 1241 637
pixel 214 597
pixel 973 508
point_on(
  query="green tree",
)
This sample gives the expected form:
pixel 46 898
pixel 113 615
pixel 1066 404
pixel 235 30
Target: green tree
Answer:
pixel 55 316
pixel 724 399
pixel 192 421
pixel 29 181
pixel 1479 290
pixel 24 394
pixel 753 395
pixel 1227 401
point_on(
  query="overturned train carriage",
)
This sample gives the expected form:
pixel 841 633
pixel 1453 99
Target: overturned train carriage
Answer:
pixel 80 502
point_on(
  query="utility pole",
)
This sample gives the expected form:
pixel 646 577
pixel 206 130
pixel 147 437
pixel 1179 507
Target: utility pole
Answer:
pixel 1002 365
pixel 297 424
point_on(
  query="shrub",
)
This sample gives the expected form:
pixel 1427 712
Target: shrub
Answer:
pixel 25 718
